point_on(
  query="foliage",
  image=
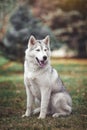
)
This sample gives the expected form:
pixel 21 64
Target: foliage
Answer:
pixel 13 97
pixel 67 20
pixel 22 24
pixel 6 7
pixel 68 5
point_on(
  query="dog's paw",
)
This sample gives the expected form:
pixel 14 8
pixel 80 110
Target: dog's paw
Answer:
pixel 36 111
pixel 25 115
pixel 55 115
pixel 41 117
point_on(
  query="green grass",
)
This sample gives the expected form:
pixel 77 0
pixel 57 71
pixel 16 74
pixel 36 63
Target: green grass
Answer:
pixel 13 98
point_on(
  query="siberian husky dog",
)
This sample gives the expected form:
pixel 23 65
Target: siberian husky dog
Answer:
pixel 43 83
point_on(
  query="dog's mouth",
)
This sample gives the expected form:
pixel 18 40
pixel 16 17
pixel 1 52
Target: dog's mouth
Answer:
pixel 41 63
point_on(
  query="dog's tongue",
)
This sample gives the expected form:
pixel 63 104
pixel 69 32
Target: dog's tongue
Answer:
pixel 41 63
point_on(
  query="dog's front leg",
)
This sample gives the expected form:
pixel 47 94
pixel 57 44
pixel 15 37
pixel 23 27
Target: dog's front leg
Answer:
pixel 45 97
pixel 30 99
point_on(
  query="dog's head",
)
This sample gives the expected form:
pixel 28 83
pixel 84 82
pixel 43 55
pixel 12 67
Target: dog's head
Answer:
pixel 39 50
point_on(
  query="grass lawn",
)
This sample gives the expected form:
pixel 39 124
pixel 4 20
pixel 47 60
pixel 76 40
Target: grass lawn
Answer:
pixel 13 97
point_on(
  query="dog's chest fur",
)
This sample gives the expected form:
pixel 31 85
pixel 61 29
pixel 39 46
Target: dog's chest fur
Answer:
pixel 37 83
pixel 35 87
pixel 35 78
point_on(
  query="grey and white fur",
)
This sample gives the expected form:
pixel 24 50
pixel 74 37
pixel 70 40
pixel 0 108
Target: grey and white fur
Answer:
pixel 42 82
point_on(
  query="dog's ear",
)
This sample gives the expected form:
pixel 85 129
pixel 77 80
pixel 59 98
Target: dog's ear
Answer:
pixel 32 41
pixel 47 40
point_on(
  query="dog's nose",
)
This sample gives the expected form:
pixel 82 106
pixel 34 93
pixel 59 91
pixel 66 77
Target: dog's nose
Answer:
pixel 44 58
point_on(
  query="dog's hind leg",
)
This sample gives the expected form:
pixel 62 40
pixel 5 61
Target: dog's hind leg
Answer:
pixel 67 110
pixel 59 114
pixel 36 111
pixel 61 104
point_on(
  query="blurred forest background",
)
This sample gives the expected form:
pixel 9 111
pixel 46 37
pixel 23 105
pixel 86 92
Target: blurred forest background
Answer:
pixel 65 21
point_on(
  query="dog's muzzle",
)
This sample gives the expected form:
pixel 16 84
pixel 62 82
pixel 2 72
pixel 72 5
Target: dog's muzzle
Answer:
pixel 43 62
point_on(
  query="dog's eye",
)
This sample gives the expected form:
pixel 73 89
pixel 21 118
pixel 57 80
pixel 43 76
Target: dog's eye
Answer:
pixel 45 49
pixel 38 50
